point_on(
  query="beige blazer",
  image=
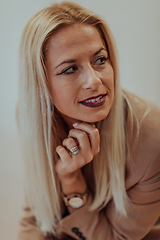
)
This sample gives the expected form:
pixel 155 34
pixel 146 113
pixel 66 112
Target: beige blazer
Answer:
pixel 142 186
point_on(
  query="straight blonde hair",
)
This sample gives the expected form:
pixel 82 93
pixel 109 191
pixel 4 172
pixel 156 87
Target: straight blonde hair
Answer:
pixel 39 125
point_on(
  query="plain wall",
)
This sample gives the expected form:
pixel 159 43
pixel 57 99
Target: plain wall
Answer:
pixel 136 28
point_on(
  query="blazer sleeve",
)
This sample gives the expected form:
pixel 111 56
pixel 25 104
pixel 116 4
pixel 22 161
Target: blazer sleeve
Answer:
pixel 28 229
pixel 142 213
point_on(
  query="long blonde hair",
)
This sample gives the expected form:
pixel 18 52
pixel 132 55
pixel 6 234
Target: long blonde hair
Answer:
pixel 39 127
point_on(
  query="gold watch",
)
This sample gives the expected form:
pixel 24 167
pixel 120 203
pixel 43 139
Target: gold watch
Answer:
pixel 75 200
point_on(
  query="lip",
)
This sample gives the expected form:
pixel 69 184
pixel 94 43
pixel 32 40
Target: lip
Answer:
pixel 91 102
pixel 94 97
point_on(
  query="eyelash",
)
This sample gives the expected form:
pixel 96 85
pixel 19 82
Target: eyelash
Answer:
pixel 101 58
pixel 68 68
pixel 74 67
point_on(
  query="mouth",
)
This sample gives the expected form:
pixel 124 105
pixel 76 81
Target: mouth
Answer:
pixel 94 101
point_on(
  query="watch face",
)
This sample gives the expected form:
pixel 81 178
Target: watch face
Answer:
pixel 75 202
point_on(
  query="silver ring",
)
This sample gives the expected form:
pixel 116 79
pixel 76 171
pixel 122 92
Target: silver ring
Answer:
pixel 74 150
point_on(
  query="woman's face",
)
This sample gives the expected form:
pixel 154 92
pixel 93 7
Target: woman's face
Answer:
pixel 80 74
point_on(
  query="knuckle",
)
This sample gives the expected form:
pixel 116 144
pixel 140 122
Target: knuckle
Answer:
pixel 59 149
pixel 82 135
pixel 89 157
pixel 71 132
pixel 96 131
pixel 64 141
pixel 97 151
pixel 68 141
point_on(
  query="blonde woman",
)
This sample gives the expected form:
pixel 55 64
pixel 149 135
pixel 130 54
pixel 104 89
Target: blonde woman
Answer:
pixel 91 150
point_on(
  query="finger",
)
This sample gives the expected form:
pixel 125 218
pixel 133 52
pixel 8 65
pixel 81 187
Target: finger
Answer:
pixel 63 154
pixel 93 135
pixel 69 143
pixel 63 166
pixel 84 144
pixel 66 164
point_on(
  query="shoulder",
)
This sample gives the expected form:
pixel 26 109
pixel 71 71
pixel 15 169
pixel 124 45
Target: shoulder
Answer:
pixel 146 116
pixel 143 136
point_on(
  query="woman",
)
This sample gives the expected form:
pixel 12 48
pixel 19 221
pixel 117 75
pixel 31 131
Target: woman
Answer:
pixel 91 149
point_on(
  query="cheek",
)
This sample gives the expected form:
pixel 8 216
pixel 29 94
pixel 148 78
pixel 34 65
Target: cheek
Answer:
pixel 61 98
pixel 109 78
pixel 58 98
pixel 111 72
pixel 56 95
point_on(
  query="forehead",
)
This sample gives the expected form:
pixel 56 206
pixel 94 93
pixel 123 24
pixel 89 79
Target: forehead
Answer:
pixel 72 39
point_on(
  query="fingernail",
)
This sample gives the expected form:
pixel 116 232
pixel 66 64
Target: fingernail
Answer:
pixel 75 124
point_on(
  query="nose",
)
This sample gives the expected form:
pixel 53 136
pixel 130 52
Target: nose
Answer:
pixel 91 79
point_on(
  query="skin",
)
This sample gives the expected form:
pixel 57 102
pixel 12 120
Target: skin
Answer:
pixel 78 68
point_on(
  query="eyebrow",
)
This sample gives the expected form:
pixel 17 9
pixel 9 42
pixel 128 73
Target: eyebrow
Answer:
pixel 66 61
pixel 99 51
pixel 73 60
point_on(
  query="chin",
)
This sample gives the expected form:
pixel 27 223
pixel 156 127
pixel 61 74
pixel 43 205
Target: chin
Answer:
pixel 95 118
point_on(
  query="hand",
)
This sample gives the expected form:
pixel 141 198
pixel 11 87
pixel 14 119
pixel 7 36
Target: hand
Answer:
pixel 68 167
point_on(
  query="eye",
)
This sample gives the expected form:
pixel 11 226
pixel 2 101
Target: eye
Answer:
pixel 100 60
pixel 68 70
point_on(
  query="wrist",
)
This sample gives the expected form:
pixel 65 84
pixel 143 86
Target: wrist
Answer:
pixel 75 183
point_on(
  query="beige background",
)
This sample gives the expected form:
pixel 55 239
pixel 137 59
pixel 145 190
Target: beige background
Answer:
pixel 136 27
